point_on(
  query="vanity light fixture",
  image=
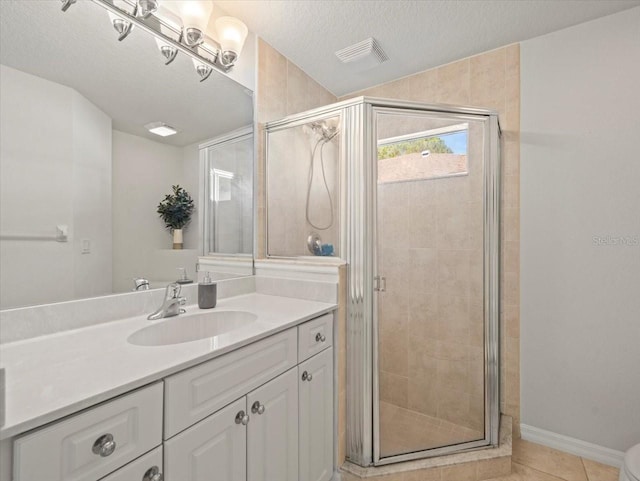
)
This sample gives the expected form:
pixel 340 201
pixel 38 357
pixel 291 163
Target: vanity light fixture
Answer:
pixel 179 28
pixel 161 129
pixel 122 26
pixel 168 52
pixel 232 33
pixel 202 69
pixel 195 18
pixel 146 7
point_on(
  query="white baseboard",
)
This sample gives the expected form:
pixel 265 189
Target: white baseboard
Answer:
pixel 580 448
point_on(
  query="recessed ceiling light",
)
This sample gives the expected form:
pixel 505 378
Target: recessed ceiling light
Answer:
pixel 161 129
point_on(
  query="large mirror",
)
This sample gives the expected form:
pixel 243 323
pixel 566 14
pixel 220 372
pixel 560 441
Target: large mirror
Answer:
pixel 81 176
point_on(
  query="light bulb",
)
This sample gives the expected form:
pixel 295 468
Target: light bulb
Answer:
pixel 231 34
pixel 195 18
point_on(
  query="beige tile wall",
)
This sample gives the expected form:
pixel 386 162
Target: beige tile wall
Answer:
pixel 283 89
pixel 490 80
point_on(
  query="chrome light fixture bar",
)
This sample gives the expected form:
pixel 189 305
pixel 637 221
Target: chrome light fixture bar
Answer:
pixel 155 26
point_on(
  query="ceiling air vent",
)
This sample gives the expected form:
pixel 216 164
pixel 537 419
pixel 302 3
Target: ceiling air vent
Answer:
pixel 366 54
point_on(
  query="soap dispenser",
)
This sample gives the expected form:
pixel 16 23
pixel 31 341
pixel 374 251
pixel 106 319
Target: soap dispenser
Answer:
pixel 207 293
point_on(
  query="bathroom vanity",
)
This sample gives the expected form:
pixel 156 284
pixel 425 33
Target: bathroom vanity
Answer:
pixel 253 403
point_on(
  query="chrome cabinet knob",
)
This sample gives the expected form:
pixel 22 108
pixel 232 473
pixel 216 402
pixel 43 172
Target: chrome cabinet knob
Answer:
pixel 242 418
pixel 320 337
pixel 307 376
pixel 257 408
pixel 153 474
pixel 104 445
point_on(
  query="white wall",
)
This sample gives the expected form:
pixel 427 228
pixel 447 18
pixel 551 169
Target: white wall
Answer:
pixel 143 173
pixel 580 179
pixel 55 159
pixel 91 199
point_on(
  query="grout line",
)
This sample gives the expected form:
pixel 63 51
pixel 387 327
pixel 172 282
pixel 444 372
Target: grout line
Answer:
pixel 542 472
pixel 584 468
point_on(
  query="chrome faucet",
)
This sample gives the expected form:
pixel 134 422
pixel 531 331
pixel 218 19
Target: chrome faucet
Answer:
pixel 141 284
pixel 171 305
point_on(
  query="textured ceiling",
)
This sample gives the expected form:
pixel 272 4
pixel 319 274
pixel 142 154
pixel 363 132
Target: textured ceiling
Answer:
pixel 415 34
pixel 127 80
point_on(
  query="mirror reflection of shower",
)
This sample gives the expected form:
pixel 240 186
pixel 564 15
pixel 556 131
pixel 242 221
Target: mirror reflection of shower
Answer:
pixel 324 131
pixel 303 165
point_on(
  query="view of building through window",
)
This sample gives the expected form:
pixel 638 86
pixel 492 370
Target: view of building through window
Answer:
pixel 424 155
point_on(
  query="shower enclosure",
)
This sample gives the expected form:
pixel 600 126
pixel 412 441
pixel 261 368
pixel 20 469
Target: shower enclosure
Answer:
pixel 415 190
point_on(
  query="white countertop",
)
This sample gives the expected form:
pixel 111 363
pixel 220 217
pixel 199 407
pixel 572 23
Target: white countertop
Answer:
pixel 56 375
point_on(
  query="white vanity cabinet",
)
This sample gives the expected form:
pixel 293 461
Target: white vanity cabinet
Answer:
pixel 195 393
pixel 316 417
pixel 262 412
pixel 254 438
pixel 282 427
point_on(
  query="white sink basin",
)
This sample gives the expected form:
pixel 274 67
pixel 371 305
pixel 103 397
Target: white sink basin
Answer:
pixel 187 328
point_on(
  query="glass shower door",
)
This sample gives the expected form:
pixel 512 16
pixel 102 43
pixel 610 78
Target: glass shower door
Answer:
pixel 429 303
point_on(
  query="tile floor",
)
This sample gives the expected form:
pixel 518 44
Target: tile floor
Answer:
pixel 529 462
pixel 533 462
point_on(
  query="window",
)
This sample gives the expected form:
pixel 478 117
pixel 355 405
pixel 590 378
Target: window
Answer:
pixel 430 154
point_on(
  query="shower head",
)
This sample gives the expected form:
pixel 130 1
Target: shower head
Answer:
pixel 327 130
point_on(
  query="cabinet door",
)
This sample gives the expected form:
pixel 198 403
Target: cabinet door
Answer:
pixel 272 444
pixel 215 449
pixel 315 381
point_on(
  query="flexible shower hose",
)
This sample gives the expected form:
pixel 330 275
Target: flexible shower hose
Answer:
pixel 326 186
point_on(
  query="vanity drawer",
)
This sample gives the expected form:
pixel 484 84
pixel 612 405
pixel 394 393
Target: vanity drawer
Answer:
pixel 137 470
pixel 64 451
pixel 200 391
pixel 315 336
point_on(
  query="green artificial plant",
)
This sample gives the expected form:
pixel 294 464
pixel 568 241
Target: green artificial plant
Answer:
pixel 176 209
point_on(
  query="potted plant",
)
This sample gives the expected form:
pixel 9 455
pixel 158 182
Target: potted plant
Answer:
pixel 176 210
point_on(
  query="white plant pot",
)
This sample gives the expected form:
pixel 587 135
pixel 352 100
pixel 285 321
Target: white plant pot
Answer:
pixel 177 238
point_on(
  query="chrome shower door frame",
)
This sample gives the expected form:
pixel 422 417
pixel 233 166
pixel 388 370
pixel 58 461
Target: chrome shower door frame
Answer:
pixel 359 235
pixel 357 240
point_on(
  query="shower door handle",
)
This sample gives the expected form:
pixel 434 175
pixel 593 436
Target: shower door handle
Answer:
pixel 380 283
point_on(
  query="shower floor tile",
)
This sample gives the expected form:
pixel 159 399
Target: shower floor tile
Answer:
pixel 405 431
